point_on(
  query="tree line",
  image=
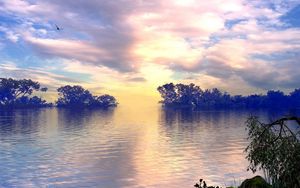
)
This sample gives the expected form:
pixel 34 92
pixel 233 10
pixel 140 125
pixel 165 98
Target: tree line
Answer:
pixel 19 93
pixel 191 95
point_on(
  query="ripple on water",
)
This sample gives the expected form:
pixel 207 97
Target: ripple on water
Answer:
pixel 61 148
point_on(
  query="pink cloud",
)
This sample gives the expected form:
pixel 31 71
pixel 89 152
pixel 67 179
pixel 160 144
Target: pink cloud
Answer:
pixel 182 35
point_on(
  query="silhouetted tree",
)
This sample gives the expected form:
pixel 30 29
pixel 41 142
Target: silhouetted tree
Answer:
pixel 72 96
pixel 276 99
pixel 168 93
pixel 104 101
pixel 181 95
pixel 295 97
pixel 238 101
pixel 17 93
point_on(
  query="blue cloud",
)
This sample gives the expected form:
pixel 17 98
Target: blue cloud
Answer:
pixel 230 23
pixel 277 57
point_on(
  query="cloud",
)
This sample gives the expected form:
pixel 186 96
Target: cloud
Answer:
pixel 91 32
pixel 244 57
pixel 131 41
pixel 136 79
pixel 51 80
pixel 102 75
pixel 69 49
pixel 10 35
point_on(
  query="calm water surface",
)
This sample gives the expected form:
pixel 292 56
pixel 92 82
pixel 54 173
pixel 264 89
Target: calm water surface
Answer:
pixel 123 147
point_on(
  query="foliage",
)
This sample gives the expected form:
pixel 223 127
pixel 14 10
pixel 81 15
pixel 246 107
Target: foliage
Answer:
pixel 202 184
pixel 77 96
pixel 275 148
pixel 255 182
pixel 16 93
pixel 73 96
pixel 104 100
pixel 181 95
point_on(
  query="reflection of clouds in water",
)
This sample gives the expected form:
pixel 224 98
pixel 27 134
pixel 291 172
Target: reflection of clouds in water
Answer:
pixel 99 153
pixel 210 142
pixel 122 147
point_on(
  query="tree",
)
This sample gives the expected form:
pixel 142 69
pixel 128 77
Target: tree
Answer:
pixel 73 96
pixel 17 92
pixel 104 101
pixel 168 93
pixel 190 95
pixel 276 98
pixel 275 148
pixel 295 97
pixel 180 94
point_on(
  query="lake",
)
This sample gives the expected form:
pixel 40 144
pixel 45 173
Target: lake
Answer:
pixel 123 147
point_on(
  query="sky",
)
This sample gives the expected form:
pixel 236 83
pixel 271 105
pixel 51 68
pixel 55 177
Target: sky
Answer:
pixel 128 48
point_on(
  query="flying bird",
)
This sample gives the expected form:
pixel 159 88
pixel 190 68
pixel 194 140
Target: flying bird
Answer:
pixel 58 28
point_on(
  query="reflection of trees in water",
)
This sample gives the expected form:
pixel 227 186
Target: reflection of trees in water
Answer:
pixel 274 114
pixel 80 118
pixel 171 116
pixel 186 116
pixel 20 121
pixel 26 121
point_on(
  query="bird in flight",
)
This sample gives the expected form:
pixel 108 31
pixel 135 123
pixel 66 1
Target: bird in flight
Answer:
pixel 58 28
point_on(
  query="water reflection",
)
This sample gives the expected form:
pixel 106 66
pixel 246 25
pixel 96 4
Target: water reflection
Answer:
pixel 70 119
pixel 19 121
pixel 124 147
pixel 210 143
